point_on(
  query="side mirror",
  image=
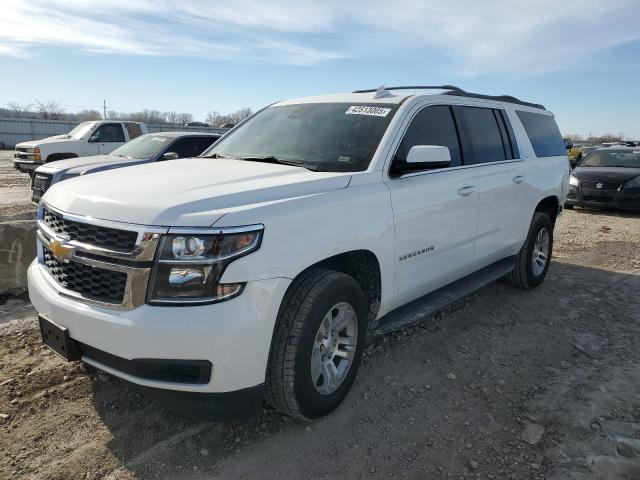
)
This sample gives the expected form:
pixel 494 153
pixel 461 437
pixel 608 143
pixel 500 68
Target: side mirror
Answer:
pixel 431 156
pixel 170 156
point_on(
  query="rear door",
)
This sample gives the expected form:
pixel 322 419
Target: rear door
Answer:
pixel 499 175
pixel 435 210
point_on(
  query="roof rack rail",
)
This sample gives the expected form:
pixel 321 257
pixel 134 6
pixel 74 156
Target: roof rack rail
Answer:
pixel 459 92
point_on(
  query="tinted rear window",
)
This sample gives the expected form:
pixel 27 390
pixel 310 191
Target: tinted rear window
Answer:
pixel 544 134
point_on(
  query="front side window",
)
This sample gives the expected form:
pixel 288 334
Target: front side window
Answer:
pixel 190 147
pixel 432 125
pixel 544 134
pixel 318 136
pixel 108 132
pixel 485 135
pixel 145 147
pixel 612 159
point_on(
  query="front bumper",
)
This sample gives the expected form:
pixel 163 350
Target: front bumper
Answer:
pixel 624 199
pixel 26 166
pixel 234 336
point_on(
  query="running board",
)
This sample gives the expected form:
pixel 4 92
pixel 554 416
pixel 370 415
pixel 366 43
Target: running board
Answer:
pixel 430 303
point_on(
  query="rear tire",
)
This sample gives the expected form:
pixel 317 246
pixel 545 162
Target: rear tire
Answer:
pixel 301 342
pixel 532 262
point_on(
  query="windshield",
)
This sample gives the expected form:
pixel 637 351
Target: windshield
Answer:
pixel 612 158
pixel 146 146
pixel 80 130
pixel 319 136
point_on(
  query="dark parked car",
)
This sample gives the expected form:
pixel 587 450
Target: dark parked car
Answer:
pixel 148 148
pixel 607 178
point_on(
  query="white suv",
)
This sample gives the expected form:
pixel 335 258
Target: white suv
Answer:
pixel 257 271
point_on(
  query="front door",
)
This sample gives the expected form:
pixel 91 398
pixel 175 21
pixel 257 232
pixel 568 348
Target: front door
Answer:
pixel 435 211
pixel 108 137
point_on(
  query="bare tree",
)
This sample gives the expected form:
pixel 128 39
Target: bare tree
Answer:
pixel 216 119
pixel 20 110
pixel 86 115
pixel 49 109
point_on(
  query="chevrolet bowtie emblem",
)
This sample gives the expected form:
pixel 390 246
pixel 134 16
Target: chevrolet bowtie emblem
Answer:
pixel 60 251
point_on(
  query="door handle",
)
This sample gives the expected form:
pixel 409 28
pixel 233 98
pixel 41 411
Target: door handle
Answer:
pixel 466 191
pixel 518 179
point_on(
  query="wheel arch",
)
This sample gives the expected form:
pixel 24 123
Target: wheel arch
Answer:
pixel 549 205
pixel 364 267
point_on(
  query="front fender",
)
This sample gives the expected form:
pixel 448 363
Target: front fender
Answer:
pixel 300 232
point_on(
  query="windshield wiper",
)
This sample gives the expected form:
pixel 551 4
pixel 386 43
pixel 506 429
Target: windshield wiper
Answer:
pixel 219 155
pixel 272 159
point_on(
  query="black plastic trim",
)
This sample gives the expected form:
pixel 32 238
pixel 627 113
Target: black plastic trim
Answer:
pixel 197 372
pixel 459 92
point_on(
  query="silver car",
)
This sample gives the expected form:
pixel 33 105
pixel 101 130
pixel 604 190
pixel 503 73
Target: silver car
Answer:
pixel 152 147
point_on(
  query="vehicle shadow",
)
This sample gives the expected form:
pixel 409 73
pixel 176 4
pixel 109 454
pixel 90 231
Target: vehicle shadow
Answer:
pixel 446 396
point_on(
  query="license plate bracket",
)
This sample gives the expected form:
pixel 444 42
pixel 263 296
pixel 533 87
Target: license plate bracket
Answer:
pixel 57 339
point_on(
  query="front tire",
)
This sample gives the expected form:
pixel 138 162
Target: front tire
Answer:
pixel 532 262
pixel 317 345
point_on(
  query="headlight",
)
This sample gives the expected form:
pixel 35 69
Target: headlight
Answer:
pixel 633 183
pixel 189 265
pixel 573 180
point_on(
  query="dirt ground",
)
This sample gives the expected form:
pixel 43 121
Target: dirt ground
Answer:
pixel 13 185
pixel 507 384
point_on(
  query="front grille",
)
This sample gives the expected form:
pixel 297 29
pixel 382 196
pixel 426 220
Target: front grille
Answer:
pixel 111 238
pixel 91 282
pixel 598 198
pixel 587 185
pixel 41 183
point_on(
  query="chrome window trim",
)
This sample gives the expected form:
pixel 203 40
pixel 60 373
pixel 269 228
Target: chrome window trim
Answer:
pixel 451 169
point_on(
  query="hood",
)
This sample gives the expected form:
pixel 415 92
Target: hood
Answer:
pixel 86 164
pixel 49 140
pixel 606 174
pixel 191 192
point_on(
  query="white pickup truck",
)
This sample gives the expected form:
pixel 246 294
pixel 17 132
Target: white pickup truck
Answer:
pixel 86 138
pixel 257 271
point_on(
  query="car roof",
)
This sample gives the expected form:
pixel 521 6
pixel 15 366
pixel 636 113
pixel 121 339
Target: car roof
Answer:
pixel 175 134
pixel 396 95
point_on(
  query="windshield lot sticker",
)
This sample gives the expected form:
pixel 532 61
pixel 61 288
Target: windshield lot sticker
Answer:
pixel 362 110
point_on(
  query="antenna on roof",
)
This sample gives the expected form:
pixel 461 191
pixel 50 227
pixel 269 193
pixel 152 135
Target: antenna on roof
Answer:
pixel 382 92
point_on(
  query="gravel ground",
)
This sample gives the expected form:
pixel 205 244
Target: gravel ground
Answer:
pixel 13 185
pixel 507 384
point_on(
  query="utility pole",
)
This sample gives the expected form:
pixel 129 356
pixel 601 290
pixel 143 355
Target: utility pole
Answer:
pixel 104 109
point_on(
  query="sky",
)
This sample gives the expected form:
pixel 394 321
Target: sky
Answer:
pixel 580 58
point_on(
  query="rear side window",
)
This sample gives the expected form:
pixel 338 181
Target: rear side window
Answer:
pixel 134 130
pixel 544 134
pixel 487 135
pixel 433 125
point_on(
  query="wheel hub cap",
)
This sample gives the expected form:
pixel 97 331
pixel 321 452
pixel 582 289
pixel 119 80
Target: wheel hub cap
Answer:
pixel 334 347
pixel 540 252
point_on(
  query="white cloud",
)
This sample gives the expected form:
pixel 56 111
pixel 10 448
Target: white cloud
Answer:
pixel 520 37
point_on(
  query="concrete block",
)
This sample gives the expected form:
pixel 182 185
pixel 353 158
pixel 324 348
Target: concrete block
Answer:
pixel 17 250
